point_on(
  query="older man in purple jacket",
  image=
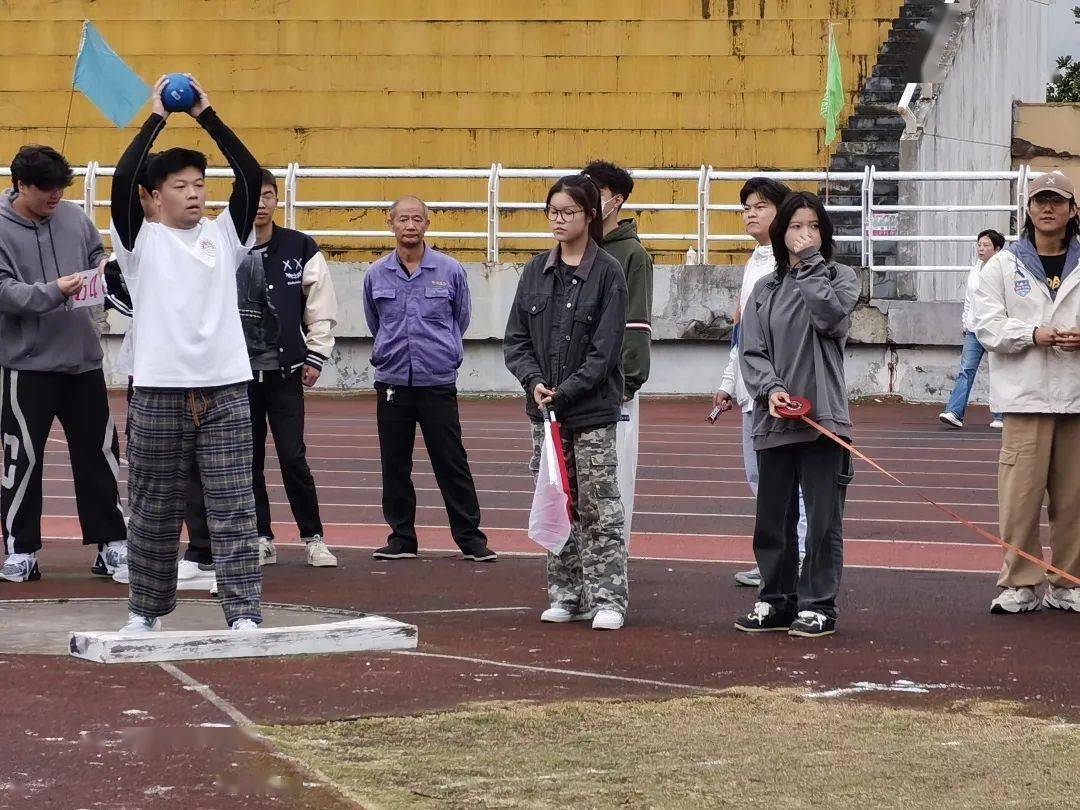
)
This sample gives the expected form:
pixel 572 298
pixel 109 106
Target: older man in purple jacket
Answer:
pixel 416 301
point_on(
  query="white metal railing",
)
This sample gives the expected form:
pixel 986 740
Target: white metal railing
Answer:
pixel 493 204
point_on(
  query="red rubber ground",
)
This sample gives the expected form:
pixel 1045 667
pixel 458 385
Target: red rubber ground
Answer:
pixel 914 609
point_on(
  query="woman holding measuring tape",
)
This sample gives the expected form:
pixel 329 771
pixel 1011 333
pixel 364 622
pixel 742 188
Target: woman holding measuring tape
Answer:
pixel 793 332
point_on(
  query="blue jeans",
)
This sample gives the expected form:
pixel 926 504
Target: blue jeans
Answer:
pixel 970 358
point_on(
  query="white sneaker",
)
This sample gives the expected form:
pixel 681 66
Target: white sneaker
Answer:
pixel 114 555
pixel 560 615
pixel 243 624
pixel 1062 598
pixel 608 620
pixel 213 587
pixel 951 419
pixel 1015 600
pixel 267 552
pixel 188 570
pixel 141 624
pixel 997 424
pixel 20 568
pixel 318 555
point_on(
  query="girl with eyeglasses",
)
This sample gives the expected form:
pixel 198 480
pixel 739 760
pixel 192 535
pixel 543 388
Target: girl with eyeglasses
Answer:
pixel 563 343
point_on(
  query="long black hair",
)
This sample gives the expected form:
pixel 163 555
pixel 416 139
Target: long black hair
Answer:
pixel 792 203
pixel 583 190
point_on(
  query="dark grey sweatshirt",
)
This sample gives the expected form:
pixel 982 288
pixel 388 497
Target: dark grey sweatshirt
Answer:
pixel 37 330
pixel 792 338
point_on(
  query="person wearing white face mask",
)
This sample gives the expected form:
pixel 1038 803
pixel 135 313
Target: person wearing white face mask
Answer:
pixel 621 241
pixel 760 198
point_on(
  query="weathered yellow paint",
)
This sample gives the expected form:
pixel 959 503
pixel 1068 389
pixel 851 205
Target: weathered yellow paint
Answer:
pixel 460 83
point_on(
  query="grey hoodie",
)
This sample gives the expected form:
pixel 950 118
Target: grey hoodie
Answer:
pixel 1024 250
pixel 37 330
pixel 792 335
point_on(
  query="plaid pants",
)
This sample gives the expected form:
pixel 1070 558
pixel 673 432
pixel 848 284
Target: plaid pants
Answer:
pixel 169 428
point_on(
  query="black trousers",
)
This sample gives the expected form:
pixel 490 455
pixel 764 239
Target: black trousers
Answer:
pixel 277 399
pixel 31 400
pixel 400 409
pixel 823 470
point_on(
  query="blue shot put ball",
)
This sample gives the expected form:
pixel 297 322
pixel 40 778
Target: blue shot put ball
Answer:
pixel 178 94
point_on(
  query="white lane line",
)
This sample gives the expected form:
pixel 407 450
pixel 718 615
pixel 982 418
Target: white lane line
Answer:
pixel 242 721
pixel 529 492
pixel 524 452
pixel 577 673
pixel 245 725
pixel 740 481
pixel 637 513
pixel 461 610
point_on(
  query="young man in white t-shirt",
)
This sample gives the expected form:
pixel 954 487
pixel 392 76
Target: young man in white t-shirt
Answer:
pixel 760 198
pixel 190 367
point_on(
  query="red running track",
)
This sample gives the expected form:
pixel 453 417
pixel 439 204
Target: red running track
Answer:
pixel 912 627
pixel 692 501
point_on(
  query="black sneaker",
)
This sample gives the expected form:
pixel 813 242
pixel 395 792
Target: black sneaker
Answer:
pixel 99 568
pixel 764 618
pixel 484 554
pixel 395 550
pixel 811 624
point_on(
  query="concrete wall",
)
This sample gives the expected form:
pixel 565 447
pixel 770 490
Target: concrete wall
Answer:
pixel 901 347
pixel 1047 136
pixel 996 57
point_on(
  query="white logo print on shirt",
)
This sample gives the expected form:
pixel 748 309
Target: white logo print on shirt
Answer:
pixel 294 271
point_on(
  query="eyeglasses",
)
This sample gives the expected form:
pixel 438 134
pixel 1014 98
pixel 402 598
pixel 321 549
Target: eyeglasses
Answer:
pixel 268 196
pixel 564 214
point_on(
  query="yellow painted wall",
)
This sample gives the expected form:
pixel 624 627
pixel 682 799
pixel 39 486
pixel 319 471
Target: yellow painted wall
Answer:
pixel 459 83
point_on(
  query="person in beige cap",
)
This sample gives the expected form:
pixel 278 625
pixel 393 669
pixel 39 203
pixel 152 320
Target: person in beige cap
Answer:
pixel 1027 315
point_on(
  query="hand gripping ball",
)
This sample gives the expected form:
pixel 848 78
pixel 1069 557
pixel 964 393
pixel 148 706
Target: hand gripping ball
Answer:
pixel 178 94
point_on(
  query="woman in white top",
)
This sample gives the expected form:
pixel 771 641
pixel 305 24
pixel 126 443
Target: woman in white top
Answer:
pixel 990 242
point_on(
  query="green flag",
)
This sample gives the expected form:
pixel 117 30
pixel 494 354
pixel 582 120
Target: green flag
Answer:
pixel 833 100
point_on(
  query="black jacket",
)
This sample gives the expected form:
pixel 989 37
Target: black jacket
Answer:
pixel 279 282
pixel 585 368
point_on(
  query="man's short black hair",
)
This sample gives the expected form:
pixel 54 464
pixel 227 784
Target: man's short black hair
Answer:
pixel 268 179
pixel 40 166
pixel 614 178
pixel 172 161
pixel 770 189
pixel 996 239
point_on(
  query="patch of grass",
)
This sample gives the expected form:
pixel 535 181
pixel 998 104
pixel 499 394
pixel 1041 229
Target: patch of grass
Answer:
pixel 743 747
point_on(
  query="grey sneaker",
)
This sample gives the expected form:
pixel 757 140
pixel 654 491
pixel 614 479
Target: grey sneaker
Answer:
pixel 267 552
pixel 749 579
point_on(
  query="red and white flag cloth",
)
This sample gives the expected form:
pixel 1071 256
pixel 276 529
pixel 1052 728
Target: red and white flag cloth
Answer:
pixel 552 509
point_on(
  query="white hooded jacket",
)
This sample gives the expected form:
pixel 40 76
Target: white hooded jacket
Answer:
pixel 1011 302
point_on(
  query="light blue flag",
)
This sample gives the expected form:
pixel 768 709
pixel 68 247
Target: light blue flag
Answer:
pixel 105 79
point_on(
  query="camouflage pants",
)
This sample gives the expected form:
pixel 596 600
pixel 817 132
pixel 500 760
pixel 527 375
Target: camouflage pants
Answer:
pixel 590 572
